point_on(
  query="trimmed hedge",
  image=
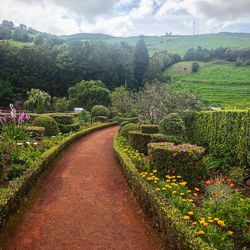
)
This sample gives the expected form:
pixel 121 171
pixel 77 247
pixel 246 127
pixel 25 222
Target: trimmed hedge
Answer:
pixel 127 128
pixel 101 119
pixel 69 128
pixel 36 132
pixel 130 120
pixel 63 119
pixel 226 134
pixel 184 159
pixel 99 110
pixel 149 129
pixel 175 232
pixel 46 121
pixel 11 200
pixel 139 141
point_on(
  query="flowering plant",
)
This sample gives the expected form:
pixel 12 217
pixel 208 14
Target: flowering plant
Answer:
pixel 13 125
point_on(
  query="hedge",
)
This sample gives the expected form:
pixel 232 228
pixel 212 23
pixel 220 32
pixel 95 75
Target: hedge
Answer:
pixel 175 232
pixel 226 134
pixel 63 119
pixel 149 129
pixel 140 141
pixel 69 128
pixel 12 198
pixel 184 159
pixel 101 119
pixel 35 132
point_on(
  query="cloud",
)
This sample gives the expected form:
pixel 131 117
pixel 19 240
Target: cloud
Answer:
pixel 127 17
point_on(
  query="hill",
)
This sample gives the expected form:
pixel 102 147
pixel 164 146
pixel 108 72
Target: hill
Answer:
pixel 218 83
pixel 86 36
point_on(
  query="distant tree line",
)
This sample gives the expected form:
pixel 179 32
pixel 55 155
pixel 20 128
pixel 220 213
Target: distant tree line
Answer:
pixel 232 55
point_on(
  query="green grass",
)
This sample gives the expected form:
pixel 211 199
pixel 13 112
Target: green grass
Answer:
pixel 218 83
pixel 16 43
pixel 180 44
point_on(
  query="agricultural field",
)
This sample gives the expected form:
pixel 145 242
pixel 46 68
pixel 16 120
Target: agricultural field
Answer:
pixel 180 44
pixel 218 83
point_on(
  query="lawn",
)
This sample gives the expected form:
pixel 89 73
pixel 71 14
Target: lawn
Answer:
pixel 16 43
pixel 218 83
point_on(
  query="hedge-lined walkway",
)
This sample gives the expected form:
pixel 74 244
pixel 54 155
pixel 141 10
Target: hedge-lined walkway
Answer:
pixel 85 203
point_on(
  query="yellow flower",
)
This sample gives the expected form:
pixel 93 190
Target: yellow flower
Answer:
pixel 155 181
pixel 194 223
pixel 190 200
pixel 174 192
pixel 189 191
pixel 184 183
pixel 196 189
pixel 167 180
pixel 155 171
pixel 164 188
pixel 230 232
pixel 181 194
pixel 178 176
pixel 174 180
pixel 201 232
pixel 221 223
pixel 191 213
pixel 216 219
pixel 168 177
pixel 205 224
pixel 210 221
pixel 186 217
pixel 210 218
pixel 157 189
pixel 195 194
pixel 173 176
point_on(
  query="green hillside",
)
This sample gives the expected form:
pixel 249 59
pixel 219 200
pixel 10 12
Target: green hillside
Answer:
pixel 218 83
pixel 181 44
pixel 16 43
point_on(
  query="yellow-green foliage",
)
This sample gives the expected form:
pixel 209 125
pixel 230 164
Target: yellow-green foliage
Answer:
pixel 225 133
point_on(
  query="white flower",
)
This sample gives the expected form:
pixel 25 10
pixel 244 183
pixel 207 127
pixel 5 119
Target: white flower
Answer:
pixel 19 144
pixel 35 143
pixel 27 142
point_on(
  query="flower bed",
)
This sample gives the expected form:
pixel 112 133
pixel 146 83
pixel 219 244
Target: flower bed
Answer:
pixel 210 215
pixel 11 197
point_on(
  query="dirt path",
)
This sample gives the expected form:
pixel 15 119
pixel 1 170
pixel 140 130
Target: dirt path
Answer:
pixel 85 203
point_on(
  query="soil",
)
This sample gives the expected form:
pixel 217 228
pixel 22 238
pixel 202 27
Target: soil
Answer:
pixel 85 203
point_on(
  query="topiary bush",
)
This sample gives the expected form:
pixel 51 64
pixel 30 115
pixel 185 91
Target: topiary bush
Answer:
pixel 46 121
pixel 172 124
pixel 63 119
pixel 101 119
pixel 139 141
pixel 69 128
pixel 36 132
pixel 184 159
pixel 149 129
pixel 99 110
pixel 167 138
pixel 127 128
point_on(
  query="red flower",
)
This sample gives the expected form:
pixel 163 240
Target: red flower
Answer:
pixel 231 185
pixel 216 195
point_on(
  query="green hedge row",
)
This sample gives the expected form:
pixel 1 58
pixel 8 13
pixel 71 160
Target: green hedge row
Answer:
pixel 12 199
pixel 184 159
pixel 69 128
pixel 174 230
pixel 226 134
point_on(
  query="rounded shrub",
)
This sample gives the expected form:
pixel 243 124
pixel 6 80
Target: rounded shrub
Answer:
pixel 172 124
pixel 50 125
pixel 127 128
pixel 99 110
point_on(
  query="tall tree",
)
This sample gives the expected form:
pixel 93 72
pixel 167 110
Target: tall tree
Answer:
pixel 141 61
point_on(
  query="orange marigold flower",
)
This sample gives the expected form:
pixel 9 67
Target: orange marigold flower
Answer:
pixel 216 195
pixel 208 182
pixel 231 185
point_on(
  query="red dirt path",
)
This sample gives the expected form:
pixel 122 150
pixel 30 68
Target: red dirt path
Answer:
pixel 85 203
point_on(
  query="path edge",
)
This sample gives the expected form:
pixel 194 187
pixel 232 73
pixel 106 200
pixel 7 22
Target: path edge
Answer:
pixel 175 233
pixel 11 200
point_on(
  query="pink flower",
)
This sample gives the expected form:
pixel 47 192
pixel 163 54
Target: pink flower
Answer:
pixel 174 154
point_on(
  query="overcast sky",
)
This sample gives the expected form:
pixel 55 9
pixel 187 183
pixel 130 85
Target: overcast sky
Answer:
pixel 129 17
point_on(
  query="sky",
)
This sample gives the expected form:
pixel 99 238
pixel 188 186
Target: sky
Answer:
pixel 129 17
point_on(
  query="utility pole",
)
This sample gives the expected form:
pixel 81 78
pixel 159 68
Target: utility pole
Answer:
pixel 194 24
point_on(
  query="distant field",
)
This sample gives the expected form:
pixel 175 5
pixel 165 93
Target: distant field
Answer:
pixel 16 43
pixel 181 44
pixel 218 83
